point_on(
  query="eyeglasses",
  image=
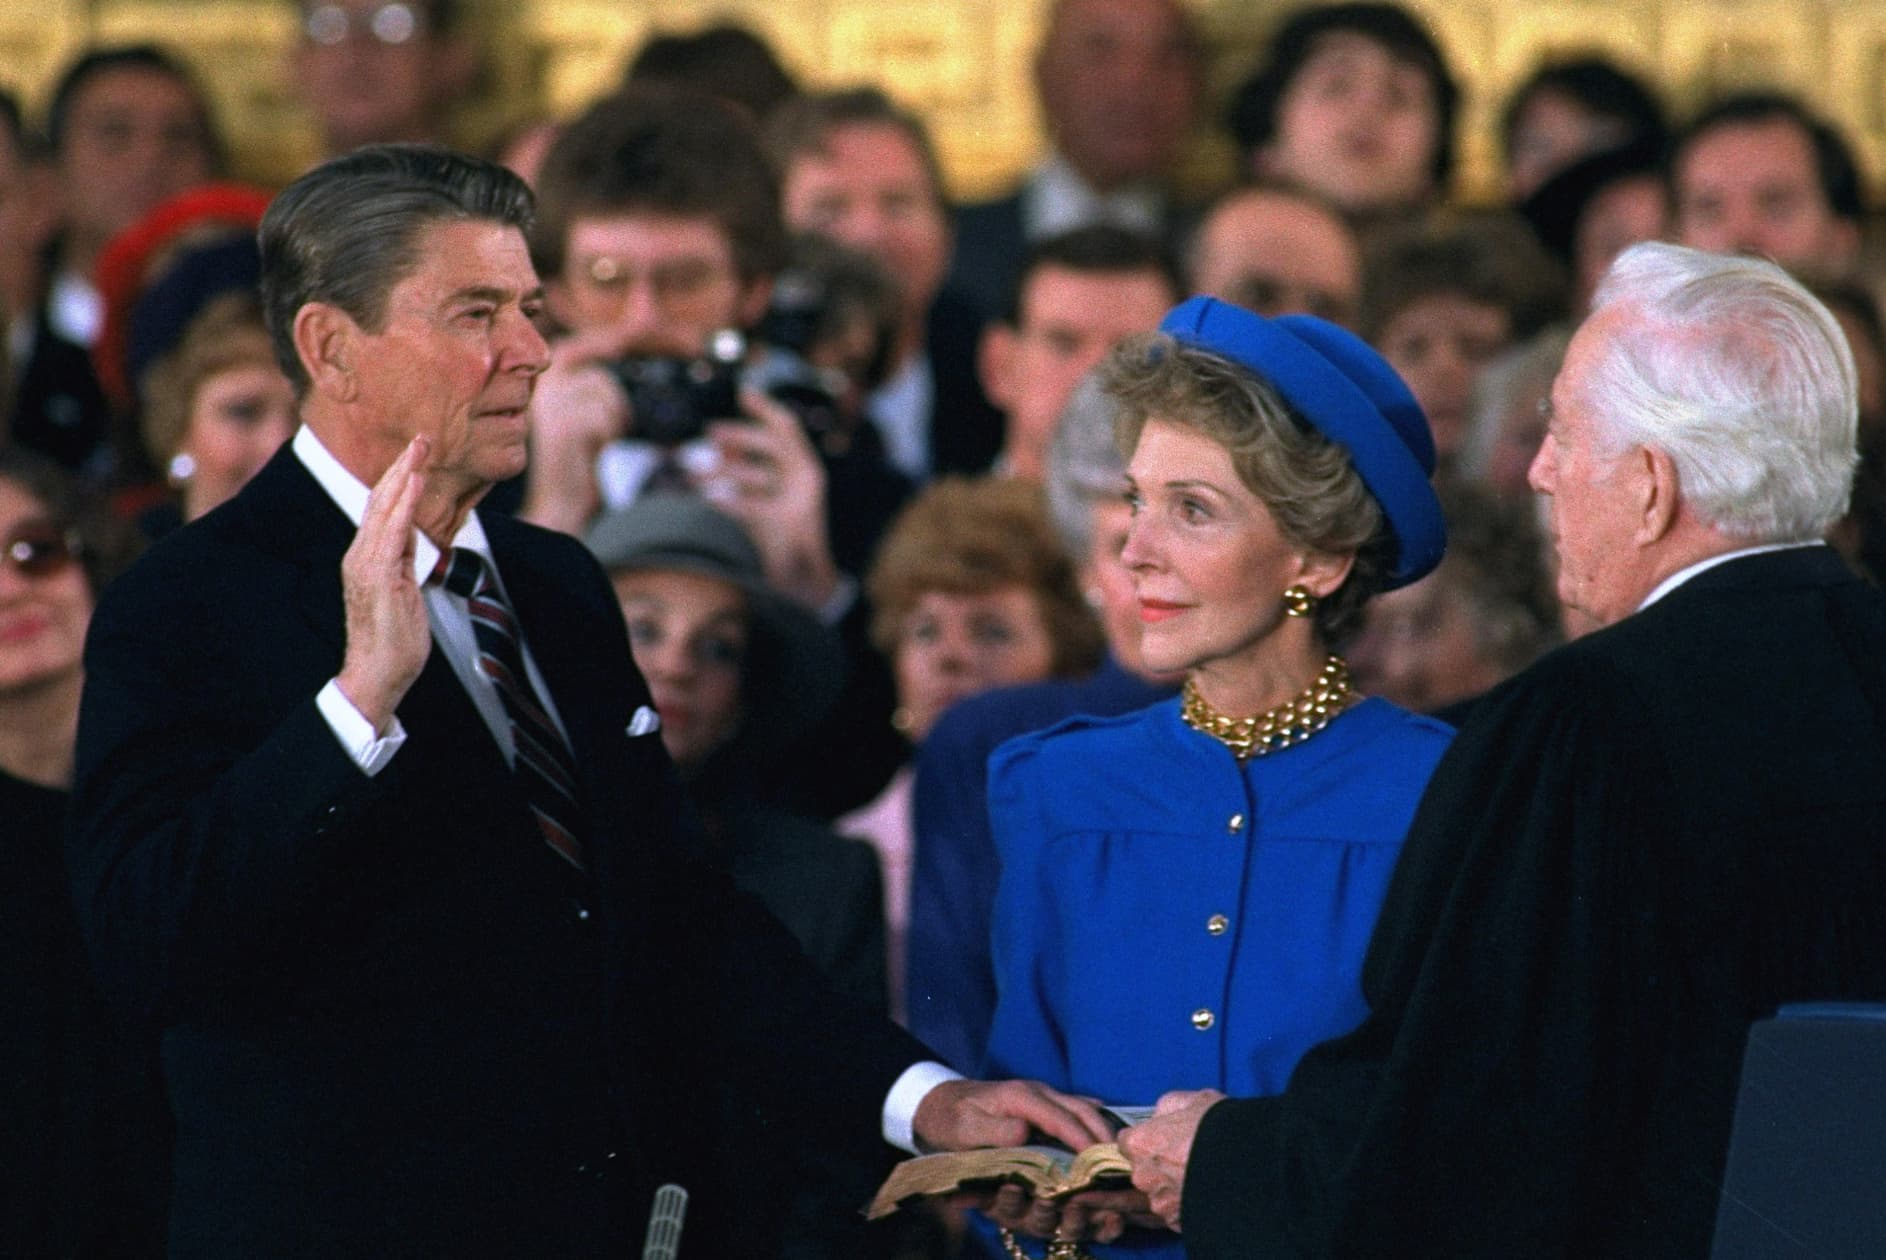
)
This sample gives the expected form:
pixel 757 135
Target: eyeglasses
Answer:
pixel 391 24
pixel 40 549
pixel 677 284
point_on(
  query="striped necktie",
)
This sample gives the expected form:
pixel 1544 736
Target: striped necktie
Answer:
pixel 543 761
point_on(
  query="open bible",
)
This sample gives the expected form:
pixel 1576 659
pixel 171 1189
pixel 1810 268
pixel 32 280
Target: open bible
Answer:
pixel 1048 1172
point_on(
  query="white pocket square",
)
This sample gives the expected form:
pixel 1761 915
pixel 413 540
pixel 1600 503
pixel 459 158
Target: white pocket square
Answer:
pixel 645 722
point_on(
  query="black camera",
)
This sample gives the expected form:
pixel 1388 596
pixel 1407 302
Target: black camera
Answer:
pixel 672 400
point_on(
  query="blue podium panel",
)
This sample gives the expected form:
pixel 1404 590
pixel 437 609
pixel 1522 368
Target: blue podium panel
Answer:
pixel 1806 1174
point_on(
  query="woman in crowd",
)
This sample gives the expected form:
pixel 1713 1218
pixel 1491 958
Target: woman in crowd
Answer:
pixel 1441 301
pixel 215 409
pixel 1355 102
pixel 737 673
pixel 971 590
pixel 1509 416
pixel 1187 891
pixel 83 1130
pixel 1486 613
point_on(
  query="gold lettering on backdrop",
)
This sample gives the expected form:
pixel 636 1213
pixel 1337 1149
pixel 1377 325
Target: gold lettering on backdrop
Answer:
pixel 965 64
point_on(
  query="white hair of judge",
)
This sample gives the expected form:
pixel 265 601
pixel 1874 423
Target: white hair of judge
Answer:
pixel 1737 373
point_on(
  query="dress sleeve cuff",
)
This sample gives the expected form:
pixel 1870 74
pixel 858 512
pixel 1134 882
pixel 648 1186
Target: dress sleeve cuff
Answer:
pixel 900 1105
pixel 363 746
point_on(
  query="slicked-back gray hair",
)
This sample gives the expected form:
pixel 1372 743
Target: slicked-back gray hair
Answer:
pixel 1739 374
pixel 348 231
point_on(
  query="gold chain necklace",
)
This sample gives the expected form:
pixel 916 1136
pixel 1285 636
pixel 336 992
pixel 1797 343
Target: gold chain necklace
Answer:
pixel 1280 726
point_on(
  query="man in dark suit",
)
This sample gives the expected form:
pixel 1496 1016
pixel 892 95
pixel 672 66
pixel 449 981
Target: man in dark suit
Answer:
pixel 1636 848
pixel 857 167
pixel 1119 83
pixel 391 858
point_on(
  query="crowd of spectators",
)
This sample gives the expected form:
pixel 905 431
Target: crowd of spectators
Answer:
pixel 839 442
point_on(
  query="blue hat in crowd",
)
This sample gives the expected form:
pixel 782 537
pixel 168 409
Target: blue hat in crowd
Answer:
pixel 1351 396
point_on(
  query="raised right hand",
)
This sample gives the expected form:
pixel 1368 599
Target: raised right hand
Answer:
pixel 388 634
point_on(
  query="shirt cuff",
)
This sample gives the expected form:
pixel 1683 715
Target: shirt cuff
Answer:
pixel 900 1105
pixel 357 738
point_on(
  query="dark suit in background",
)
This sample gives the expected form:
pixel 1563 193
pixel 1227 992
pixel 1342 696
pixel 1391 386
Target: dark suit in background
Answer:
pixel 1635 849
pixel 966 429
pixel 396 1022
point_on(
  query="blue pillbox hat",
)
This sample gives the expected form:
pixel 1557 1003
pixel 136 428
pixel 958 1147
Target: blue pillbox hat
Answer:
pixel 1350 395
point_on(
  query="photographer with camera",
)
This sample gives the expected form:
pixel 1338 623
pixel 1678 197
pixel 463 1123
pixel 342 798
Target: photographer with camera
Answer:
pixel 659 240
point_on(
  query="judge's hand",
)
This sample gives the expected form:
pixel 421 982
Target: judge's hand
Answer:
pixel 770 479
pixel 576 410
pixel 1160 1148
pixel 1090 1216
pixel 388 635
pixel 958 1115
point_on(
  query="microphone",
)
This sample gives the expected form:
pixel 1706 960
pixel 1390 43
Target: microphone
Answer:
pixel 664 1223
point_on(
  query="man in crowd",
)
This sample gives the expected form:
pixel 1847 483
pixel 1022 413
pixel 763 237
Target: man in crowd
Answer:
pixel 1119 83
pixel 1758 173
pixel 1278 251
pixel 1637 847
pixel 1080 294
pixel 660 230
pixel 27 218
pixel 372 818
pixel 127 129
pixel 857 168
pixel 381 71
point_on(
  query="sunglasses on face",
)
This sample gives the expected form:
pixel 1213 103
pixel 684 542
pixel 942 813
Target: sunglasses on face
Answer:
pixel 40 549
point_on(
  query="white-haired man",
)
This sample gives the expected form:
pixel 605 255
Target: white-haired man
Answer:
pixel 1636 848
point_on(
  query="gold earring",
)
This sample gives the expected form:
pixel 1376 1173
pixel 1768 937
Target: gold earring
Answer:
pixel 1298 601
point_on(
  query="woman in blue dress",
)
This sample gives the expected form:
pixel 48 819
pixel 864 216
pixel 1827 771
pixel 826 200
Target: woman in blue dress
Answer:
pixel 1187 891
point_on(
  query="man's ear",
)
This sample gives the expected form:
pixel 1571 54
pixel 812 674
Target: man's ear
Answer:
pixel 1661 493
pixel 995 364
pixel 326 341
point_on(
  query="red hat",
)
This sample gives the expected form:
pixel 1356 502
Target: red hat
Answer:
pixel 123 268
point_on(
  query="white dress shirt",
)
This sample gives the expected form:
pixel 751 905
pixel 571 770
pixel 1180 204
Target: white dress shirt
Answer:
pixel 451 626
pixel 1056 199
pixel 902 409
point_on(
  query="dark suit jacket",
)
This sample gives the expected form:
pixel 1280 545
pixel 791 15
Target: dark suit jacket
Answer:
pixel 1636 848
pixel 992 242
pixel 396 1024
pixel 990 245
pixel 966 429
pixel 58 408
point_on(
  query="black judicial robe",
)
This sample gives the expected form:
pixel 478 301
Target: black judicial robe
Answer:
pixel 1647 841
